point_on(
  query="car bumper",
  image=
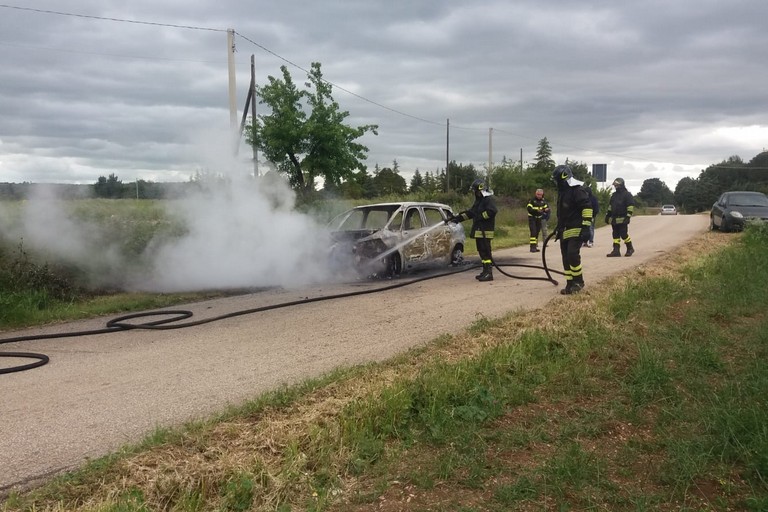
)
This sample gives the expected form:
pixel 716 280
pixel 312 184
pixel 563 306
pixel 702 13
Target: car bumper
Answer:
pixel 735 223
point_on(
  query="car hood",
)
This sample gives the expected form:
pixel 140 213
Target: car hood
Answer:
pixel 752 211
pixel 351 236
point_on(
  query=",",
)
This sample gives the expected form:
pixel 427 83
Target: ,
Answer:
pixel 733 210
pixel 668 209
pixel 386 239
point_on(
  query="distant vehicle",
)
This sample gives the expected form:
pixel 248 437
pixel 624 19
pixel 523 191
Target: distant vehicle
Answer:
pixel 668 209
pixel 386 239
pixel 734 209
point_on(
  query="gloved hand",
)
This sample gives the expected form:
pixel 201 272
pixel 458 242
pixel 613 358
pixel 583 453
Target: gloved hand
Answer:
pixel 607 219
pixel 626 219
pixel 558 234
pixel 454 218
pixel 584 234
